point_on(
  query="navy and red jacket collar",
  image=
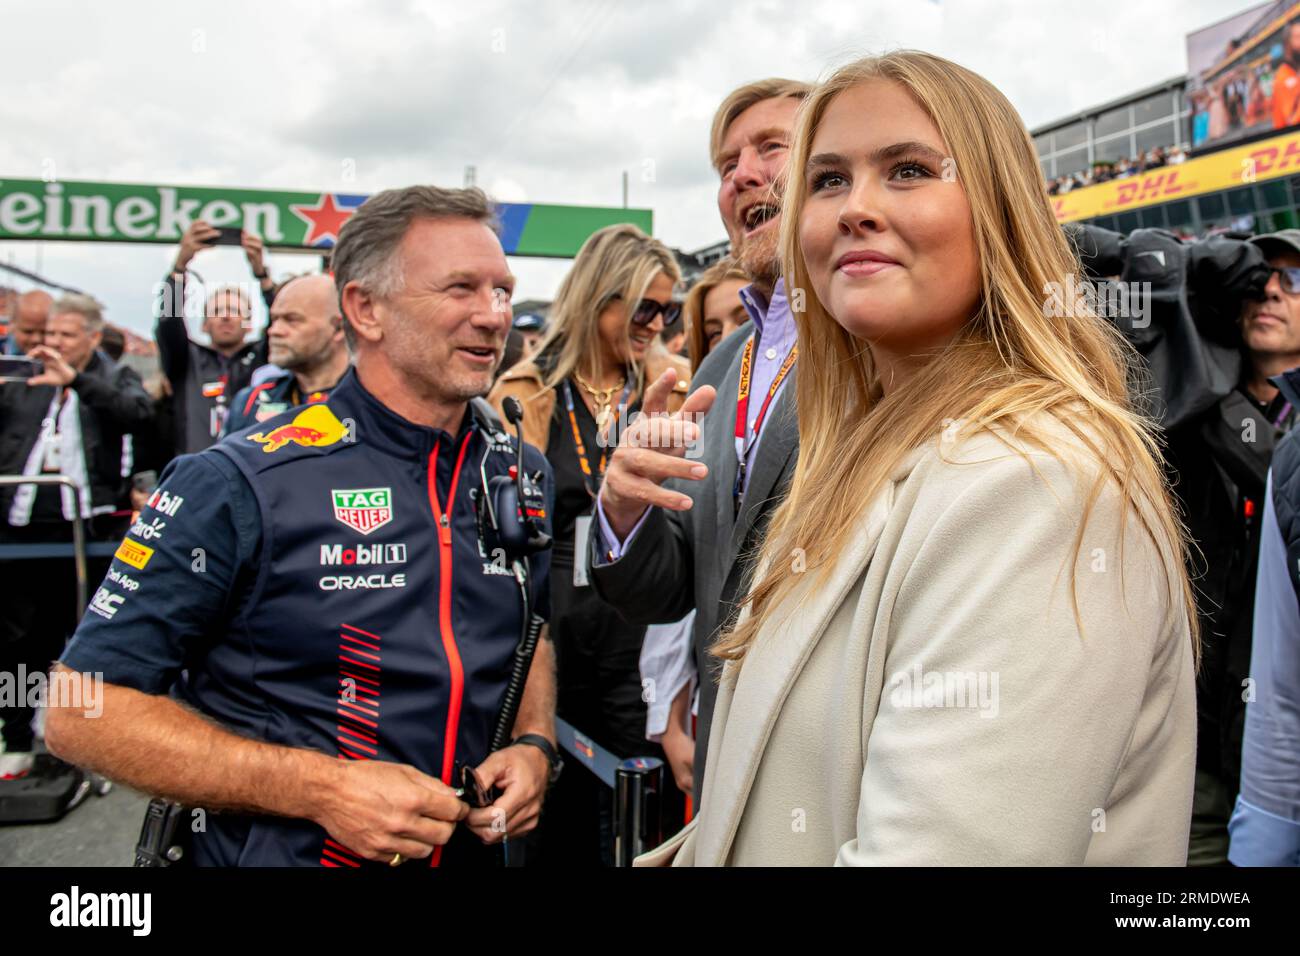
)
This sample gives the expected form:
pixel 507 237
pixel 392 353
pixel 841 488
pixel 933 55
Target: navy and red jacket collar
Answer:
pixel 380 427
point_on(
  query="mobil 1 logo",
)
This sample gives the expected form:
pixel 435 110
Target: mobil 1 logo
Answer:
pixel 361 555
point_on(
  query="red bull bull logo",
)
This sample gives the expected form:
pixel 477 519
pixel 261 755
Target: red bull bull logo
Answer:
pixel 314 426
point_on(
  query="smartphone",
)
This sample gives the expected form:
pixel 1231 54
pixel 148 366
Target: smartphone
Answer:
pixel 227 236
pixel 144 481
pixel 19 368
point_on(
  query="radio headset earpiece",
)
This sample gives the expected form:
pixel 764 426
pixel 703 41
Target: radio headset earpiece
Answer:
pixel 512 497
pixel 501 507
pixel 505 521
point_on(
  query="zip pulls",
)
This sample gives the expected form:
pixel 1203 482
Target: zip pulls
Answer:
pixel 454 665
pixel 443 518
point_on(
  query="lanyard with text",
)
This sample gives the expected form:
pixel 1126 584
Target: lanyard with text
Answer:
pixel 52 461
pixel 582 450
pixel 218 412
pixel 744 440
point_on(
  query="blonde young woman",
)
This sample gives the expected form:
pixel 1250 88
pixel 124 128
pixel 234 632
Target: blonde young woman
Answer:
pixel 969 637
pixel 599 350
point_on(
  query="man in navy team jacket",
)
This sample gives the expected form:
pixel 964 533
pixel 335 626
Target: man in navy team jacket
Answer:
pixel 302 629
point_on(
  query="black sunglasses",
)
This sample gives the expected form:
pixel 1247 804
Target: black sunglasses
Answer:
pixel 471 788
pixel 1289 279
pixel 647 309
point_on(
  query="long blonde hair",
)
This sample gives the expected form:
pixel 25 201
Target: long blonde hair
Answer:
pixel 1010 361
pixel 617 261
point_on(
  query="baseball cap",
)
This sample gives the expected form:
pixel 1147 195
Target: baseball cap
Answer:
pixel 1287 240
pixel 532 322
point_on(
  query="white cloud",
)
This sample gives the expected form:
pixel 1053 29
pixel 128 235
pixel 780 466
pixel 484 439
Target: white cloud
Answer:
pixel 549 100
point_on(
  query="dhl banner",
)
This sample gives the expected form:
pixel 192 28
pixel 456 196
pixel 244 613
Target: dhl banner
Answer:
pixel 1256 162
pixel 121 212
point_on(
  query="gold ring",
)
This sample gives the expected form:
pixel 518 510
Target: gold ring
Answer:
pixel 396 860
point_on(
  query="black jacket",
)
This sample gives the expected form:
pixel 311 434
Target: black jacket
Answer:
pixel 1220 462
pixel 195 369
pixel 1286 482
pixel 112 403
pixel 1188 333
pixel 1219 442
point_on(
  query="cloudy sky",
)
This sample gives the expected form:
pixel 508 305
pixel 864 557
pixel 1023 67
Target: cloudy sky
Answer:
pixel 551 100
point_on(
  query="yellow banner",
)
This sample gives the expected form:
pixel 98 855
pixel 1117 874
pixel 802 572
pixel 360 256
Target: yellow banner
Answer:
pixel 1256 162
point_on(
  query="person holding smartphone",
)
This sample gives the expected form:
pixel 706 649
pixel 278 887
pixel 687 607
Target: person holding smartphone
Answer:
pixel 27 327
pixel 204 378
pixel 73 417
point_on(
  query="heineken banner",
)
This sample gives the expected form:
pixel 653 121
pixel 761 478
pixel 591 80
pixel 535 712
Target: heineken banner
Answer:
pixel 118 212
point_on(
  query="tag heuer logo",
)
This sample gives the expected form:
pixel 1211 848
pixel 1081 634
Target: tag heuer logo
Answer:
pixel 363 509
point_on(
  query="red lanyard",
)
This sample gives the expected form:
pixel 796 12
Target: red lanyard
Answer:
pixel 742 394
pixel 743 442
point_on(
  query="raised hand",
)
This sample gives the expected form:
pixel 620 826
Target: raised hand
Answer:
pixel 196 238
pixel 652 450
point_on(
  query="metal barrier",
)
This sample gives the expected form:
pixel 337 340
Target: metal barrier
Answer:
pixel 54 550
pixel 638 788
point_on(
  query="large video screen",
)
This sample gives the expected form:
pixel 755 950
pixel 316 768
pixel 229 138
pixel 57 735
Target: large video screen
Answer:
pixel 1244 74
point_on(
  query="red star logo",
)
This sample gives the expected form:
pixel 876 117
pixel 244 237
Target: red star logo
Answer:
pixel 324 220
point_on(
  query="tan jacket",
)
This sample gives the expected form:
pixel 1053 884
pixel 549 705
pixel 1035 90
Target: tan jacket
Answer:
pixel 524 382
pixel 843 739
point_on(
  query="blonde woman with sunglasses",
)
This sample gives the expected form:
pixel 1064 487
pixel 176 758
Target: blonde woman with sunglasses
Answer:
pixel 586 378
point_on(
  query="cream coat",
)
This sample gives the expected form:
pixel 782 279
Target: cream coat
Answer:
pixel 1081 747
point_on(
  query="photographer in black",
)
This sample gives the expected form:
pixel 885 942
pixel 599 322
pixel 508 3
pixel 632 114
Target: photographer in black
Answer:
pixel 1216 321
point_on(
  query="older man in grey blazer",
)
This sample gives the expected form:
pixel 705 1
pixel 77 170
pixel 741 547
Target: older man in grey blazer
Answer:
pixel 674 536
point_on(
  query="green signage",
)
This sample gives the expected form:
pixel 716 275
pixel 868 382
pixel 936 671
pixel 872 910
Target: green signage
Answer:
pixel 120 212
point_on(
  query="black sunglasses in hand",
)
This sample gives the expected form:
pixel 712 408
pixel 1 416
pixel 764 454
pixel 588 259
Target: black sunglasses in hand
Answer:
pixel 471 788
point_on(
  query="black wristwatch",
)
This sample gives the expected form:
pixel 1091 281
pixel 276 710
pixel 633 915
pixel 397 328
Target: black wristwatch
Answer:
pixel 546 747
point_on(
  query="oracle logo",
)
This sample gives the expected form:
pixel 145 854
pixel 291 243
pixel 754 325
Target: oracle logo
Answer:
pixel 346 582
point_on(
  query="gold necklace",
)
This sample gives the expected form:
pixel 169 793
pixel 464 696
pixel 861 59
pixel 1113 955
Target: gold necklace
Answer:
pixel 602 397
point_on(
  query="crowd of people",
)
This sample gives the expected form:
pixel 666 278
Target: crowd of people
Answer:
pixel 1102 172
pixel 888 561
pixel 1258 92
